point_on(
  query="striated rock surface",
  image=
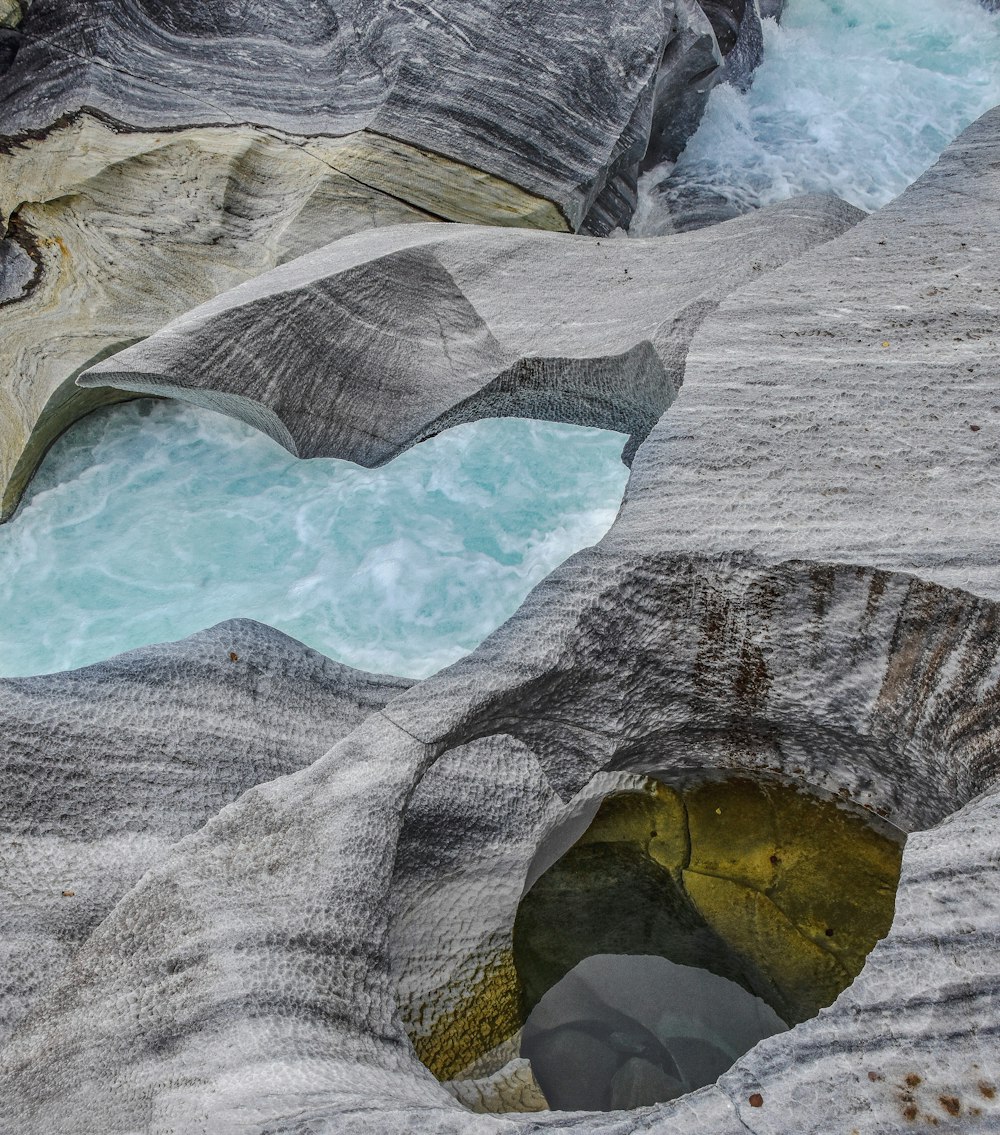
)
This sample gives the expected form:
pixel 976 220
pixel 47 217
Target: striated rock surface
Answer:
pixel 844 408
pixel 153 155
pixel 539 96
pixel 264 942
pixel 105 768
pixel 377 342
pixel 278 970
pixel 111 234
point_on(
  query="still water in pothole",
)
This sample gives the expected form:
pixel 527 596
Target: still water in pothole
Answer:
pixel 623 1030
pixel 152 520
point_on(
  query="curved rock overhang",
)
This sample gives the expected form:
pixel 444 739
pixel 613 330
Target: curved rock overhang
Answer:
pixel 153 155
pixel 285 933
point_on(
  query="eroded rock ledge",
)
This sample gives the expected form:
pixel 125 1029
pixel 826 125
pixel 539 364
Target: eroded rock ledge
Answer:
pixel 153 155
pixel 373 344
pixel 274 945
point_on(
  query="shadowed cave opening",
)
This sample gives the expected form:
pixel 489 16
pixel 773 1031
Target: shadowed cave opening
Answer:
pixel 692 919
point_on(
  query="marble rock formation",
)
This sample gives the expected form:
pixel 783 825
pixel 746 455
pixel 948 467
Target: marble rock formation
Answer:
pixel 105 768
pixel 756 609
pixel 155 154
pixel 440 325
pixel 861 380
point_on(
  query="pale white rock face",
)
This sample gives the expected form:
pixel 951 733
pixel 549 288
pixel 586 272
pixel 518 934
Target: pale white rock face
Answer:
pixel 104 768
pixel 250 980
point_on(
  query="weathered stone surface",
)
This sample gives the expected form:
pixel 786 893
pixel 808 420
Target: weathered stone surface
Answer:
pixel 113 233
pixel 782 893
pixel 266 974
pixel 537 95
pixel 265 943
pixel 481 323
pixel 153 155
pixel 845 408
pixel 104 768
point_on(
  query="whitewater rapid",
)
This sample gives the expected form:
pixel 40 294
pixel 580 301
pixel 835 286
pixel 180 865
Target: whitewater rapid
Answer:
pixel 853 97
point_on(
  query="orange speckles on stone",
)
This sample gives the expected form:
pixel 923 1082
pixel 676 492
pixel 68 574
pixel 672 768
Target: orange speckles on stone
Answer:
pixel 910 1112
pixel 233 656
pixel 68 894
pixel 756 1100
pixel 950 1104
pixel 875 1076
pixel 912 1080
pixel 987 1090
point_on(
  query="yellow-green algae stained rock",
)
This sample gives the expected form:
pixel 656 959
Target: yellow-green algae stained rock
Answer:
pixel 480 1018
pixel 798 885
pixel 753 880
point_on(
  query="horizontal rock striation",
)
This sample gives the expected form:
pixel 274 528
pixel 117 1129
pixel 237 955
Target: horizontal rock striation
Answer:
pixel 844 408
pixel 105 768
pixel 443 325
pixel 278 970
pixel 536 95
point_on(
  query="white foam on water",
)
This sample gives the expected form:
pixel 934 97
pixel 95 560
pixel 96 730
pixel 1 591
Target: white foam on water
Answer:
pixel 854 97
pixel 152 520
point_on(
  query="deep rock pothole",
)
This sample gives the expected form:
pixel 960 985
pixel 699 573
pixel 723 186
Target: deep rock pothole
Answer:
pixel 689 921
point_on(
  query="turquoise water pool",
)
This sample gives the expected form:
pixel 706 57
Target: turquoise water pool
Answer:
pixel 152 520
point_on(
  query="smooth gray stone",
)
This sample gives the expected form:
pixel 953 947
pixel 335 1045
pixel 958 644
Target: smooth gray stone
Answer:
pixel 844 408
pixel 380 341
pixel 104 768
pixel 254 979
pixel 17 271
pixel 534 92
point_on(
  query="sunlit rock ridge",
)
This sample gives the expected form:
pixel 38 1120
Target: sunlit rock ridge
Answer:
pixel 252 891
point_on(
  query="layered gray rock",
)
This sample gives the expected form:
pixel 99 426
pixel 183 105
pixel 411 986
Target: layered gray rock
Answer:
pixel 537 96
pixel 155 154
pixel 104 768
pixel 377 342
pixel 268 973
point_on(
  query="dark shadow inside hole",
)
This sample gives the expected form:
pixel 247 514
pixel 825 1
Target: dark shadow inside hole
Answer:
pixel 752 891
pixel 622 1031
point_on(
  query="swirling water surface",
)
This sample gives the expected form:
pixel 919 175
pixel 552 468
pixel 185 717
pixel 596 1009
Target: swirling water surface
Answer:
pixel 151 520
pixel 853 97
